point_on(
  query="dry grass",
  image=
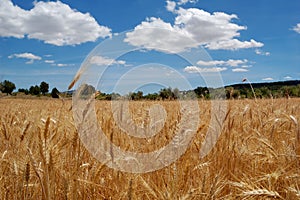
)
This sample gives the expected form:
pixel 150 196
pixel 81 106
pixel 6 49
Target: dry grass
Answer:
pixel 256 157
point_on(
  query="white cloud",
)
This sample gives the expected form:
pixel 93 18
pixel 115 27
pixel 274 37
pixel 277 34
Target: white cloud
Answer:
pixel 230 62
pixel 260 52
pixel 268 79
pixel 156 34
pixel 287 77
pixel 195 69
pixel 181 2
pixel 211 63
pixel 12 19
pixel 235 63
pixel 240 70
pixel 233 44
pixel 192 27
pixel 29 56
pixel 63 65
pixel 49 61
pixel 52 22
pixel 171 5
pixel 104 61
pixel 297 28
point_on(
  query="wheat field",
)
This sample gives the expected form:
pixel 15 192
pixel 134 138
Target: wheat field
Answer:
pixel 256 157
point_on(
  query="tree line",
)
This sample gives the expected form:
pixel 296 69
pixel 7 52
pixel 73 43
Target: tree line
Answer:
pixel 283 89
pixel 43 89
pixel 163 94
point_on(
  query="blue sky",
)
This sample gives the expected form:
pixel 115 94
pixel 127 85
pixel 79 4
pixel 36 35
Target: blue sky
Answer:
pixel 228 40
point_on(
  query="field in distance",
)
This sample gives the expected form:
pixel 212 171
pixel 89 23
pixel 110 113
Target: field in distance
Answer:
pixel 256 157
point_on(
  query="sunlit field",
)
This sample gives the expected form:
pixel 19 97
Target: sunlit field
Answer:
pixel 256 157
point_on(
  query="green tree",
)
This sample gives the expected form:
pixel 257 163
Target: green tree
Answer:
pixel 236 94
pixel 298 89
pixel 152 96
pixel 44 87
pixel 34 90
pixel 7 87
pixel 55 93
pixel 25 91
pixel 266 93
pixel 258 93
pixel 202 92
pixel 166 93
pixel 136 95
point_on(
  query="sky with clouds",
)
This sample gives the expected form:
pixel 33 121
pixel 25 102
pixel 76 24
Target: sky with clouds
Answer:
pixel 50 40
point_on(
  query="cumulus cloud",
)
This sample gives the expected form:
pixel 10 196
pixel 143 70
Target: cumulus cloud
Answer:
pixel 171 5
pixel 268 79
pixel 181 2
pixel 260 52
pixel 240 70
pixel 192 27
pixel 156 34
pixel 52 22
pixel 12 19
pixel 195 69
pixel 230 62
pixel 297 28
pixel 29 56
pixel 233 44
pixel 217 66
pixel 287 77
pixel 104 61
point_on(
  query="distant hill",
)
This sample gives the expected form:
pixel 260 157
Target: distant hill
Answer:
pixel 264 90
pixel 271 85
